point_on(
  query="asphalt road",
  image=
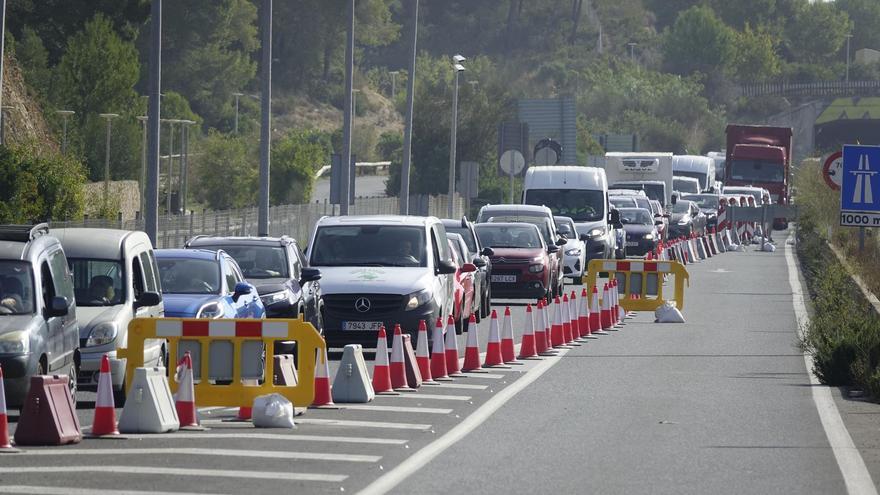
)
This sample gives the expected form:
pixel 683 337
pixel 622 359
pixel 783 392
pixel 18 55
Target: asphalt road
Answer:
pixel 720 404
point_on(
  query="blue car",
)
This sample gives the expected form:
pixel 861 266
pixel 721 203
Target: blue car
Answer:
pixel 199 283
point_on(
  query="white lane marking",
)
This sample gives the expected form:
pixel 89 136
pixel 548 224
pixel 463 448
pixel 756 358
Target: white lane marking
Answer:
pixel 852 466
pixel 490 376
pixel 261 454
pixel 268 436
pixel 416 410
pixel 362 424
pixel 418 460
pixel 220 473
pixel 59 490
pixel 461 398
pixel 462 386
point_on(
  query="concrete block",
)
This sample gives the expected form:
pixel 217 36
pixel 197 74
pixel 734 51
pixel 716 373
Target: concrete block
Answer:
pixel 150 406
pixel 352 383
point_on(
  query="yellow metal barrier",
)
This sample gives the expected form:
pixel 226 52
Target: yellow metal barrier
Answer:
pixel 642 278
pixel 229 337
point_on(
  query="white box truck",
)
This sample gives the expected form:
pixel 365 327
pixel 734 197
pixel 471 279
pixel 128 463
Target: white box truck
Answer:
pixel 652 169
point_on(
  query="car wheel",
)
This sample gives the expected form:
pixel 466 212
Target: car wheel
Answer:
pixel 72 375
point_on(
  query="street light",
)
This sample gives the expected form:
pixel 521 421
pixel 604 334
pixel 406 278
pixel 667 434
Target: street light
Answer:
pixel 354 104
pixel 184 166
pixel 238 95
pixel 143 119
pixel 458 69
pixel 64 115
pixel 109 117
pixel 394 83
pixel 848 38
pixel 632 53
pixel 170 174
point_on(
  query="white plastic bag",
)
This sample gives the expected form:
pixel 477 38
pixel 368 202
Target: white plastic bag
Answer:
pixel 273 411
pixel 668 313
pixel 770 248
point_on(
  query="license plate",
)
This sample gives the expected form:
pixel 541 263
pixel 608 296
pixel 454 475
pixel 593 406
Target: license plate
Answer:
pixel 632 244
pixel 504 278
pixel 369 326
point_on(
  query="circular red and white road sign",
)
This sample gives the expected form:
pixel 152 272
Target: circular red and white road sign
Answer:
pixel 831 170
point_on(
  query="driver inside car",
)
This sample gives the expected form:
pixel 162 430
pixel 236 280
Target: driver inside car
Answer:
pixel 10 294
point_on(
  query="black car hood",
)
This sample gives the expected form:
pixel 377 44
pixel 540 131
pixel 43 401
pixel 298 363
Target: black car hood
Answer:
pixel 269 285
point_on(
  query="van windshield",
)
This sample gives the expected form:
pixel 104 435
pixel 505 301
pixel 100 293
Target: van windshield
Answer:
pixel 97 282
pixel 582 205
pixel 685 186
pixel 695 175
pixel 369 245
pixel 16 288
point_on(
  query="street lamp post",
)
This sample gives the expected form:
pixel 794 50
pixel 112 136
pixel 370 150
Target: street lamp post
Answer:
pixel 151 210
pixel 848 38
pixel 407 128
pixel 2 51
pixel 109 117
pixel 265 117
pixel 64 116
pixel 632 52
pixel 394 83
pixel 170 174
pixel 458 69
pixel 345 190
pixel 184 165
pixel 143 120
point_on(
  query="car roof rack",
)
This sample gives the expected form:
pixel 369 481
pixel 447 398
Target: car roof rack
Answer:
pixel 23 233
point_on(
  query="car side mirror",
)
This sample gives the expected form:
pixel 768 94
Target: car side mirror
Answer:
pixel 584 237
pixel 241 289
pixel 479 262
pixel 487 251
pixel 446 267
pixel 552 248
pixel 58 306
pixel 147 299
pixel 562 241
pixel 468 268
pixel 310 275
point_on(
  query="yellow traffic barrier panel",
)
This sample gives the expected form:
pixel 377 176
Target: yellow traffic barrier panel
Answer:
pixel 644 279
pixel 227 351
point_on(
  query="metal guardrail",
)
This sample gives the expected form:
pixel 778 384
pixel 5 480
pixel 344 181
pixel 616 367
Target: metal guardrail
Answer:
pixel 823 88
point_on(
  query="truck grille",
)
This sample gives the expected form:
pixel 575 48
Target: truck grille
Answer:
pixel 346 305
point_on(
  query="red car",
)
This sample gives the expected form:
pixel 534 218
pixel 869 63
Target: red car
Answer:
pixel 521 263
pixel 464 282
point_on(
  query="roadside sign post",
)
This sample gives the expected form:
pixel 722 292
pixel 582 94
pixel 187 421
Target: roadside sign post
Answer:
pixel 512 163
pixel 831 170
pixel 859 206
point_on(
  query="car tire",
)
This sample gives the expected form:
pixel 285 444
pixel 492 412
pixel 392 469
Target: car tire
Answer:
pixel 72 376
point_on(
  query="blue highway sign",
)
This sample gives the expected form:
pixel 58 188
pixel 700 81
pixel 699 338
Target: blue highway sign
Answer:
pixel 860 186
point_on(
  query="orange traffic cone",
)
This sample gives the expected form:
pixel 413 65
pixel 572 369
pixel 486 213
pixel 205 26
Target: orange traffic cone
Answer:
pixel 566 320
pixel 5 446
pixel 527 350
pixel 184 401
pixel 381 370
pixel 493 350
pixel 104 422
pixel 453 368
pixel 573 315
pixel 508 346
pixel 595 313
pixel 584 316
pixel 398 366
pixel 605 314
pixel 472 350
pixel 438 353
pixel 323 395
pixel 422 358
pixel 615 301
pixel 540 336
pixel 556 339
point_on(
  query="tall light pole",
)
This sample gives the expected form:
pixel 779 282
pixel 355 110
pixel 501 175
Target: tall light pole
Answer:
pixel 265 117
pixel 170 174
pixel 184 166
pixel 632 52
pixel 237 95
pixel 109 118
pixel 142 184
pixel 458 69
pixel 848 38
pixel 407 129
pixel 345 190
pixel 65 114
pixel 2 51
pixel 151 211
pixel 394 83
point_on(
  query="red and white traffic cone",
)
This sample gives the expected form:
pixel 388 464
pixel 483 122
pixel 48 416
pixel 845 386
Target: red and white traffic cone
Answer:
pixel 185 398
pixel 566 321
pixel 438 353
pixel 381 369
pixel 527 349
pixel 556 338
pixel 5 445
pixel 453 368
pixel 493 349
pixel 422 357
pixel 508 346
pixel 323 395
pixel 104 422
pixel 584 316
pixel 398 366
pixel 618 311
pixel 573 315
pixel 540 336
pixel 472 349
pixel 596 313
pixel 605 315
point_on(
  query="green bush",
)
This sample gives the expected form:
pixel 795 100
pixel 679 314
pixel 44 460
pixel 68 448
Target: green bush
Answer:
pixel 37 185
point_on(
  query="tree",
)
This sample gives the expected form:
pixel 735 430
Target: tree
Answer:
pixel 295 159
pixel 33 58
pixel 817 32
pixel 38 185
pixel 755 58
pixel 865 16
pixel 225 172
pixel 739 13
pixel 698 42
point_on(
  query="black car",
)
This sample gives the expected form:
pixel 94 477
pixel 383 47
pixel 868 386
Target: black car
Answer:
pixel 277 268
pixel 686 219
pixel 640 226
pixel 708 204
pixel 479 256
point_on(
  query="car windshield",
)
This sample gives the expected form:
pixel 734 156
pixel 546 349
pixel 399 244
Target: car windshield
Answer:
pixel 369 245
pixel 565 227
pixel 189 276
pixel 654 191
pixel 685 186
pixel 258 261
pixel 543 223
pixel 97 282
pixel 681 207
pixel 460 255
pixel 704 200
pixel 503 236
pixel 465 234
pixel 582 205
pixel 623 202
pixel 757 171
pixel 636 216
pixel 16 288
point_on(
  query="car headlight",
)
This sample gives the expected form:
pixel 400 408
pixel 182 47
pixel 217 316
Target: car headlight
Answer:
pixel 649 237
pixel 102 333
pixel 210 310
pixel 14 343
pixel 573 252
pixel 275 297
pixel 536 268
pixel 417 299
pixel 597 232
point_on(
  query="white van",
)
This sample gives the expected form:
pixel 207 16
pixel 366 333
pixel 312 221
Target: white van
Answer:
pixel 701 168
pixel 629 168
pixel 580 193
